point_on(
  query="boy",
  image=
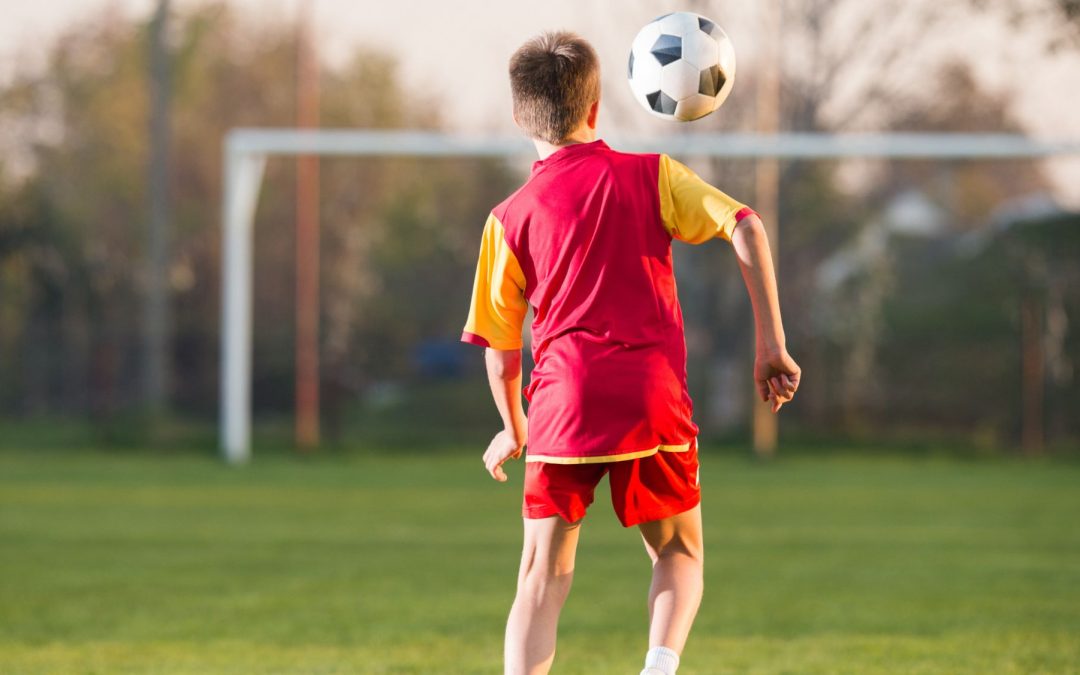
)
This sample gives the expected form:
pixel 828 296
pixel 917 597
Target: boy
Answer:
pixel 587 242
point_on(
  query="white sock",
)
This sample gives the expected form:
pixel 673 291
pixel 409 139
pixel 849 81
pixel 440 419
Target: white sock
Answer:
pixel 661 661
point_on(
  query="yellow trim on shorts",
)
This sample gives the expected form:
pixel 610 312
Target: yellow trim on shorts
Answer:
pixel 554 459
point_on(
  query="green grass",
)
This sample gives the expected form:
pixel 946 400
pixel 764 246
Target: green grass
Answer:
pixel 353 563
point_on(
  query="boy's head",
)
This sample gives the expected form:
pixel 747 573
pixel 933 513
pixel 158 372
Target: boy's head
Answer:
pixel 555 80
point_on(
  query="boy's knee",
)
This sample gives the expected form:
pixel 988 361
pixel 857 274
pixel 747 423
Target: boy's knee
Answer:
pixel 544 581
pixel 682 547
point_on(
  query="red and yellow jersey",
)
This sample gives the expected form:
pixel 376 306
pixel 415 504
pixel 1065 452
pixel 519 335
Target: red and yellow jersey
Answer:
pixel 587 243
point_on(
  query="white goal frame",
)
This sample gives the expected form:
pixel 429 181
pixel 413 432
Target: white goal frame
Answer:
pixel 246 151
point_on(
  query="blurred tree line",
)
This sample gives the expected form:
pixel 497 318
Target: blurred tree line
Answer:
pixel 399 237
pixel 850 261
pixel 905 289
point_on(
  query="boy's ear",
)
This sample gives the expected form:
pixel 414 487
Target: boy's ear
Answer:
pixel 594 112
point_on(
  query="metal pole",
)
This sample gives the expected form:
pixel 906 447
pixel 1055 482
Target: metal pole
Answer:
pixel 767 193
pixel 385 143
pixel 307 241
pixel 243 176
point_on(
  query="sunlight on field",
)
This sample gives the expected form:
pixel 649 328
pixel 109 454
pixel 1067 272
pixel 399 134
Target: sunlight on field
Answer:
pixel 175 564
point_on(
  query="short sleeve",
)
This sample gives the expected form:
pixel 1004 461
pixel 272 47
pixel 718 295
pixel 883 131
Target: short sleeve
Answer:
pixel 498 308
pixel 692 210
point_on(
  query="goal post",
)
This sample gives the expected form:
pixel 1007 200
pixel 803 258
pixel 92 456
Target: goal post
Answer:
pixel 246 152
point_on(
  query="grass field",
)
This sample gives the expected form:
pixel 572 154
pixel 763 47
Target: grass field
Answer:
pixel 353 563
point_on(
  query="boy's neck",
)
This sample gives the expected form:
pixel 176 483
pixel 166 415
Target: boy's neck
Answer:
pixel 583 134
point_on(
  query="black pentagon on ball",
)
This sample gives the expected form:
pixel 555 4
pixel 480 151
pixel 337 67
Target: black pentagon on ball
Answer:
pixel 711 80
pixel 705 25
pixel 667 48
pixel 661 102
pixel 630 67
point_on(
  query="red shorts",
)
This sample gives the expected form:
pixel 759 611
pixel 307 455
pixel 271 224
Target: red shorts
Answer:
pixel 644 489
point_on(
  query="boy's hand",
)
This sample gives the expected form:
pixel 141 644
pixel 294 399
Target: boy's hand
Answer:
pixel 777 377
pixel 502 447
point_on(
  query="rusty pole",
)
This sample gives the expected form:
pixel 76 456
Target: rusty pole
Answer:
pixel 767 191
pixel 307 239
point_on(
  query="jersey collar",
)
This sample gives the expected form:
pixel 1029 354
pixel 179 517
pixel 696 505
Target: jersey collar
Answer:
pixel 572 150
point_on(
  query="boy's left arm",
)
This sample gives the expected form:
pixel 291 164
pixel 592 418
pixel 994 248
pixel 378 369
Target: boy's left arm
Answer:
pixel 504 376
pixel 496 317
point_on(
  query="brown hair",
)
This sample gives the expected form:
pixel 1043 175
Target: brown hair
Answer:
pixel 554 78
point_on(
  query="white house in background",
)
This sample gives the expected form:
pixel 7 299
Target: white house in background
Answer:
pixel 913 214
pixel 910 213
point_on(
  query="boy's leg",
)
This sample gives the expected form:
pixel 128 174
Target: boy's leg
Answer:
pixel 675 546
pixel 547 569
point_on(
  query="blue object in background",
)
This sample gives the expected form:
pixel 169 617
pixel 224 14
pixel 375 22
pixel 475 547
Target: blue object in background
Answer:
pixel 441 358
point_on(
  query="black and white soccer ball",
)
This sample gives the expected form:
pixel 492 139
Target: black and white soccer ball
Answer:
pixel 682 66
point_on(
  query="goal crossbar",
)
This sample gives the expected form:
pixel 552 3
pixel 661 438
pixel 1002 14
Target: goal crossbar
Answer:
pixel 246 151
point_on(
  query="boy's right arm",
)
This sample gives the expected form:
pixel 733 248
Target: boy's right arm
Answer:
pixel 695 212
pixel 775 373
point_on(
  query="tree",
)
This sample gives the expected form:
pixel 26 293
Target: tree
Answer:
pixel 156 313
pixel 73 214
pixel 1061 17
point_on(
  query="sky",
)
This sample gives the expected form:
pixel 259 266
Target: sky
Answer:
pixel 457 51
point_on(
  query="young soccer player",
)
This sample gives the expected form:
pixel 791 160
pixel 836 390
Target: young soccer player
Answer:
pixel 587 242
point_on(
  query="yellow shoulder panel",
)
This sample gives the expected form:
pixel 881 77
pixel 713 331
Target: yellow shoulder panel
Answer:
pixel 692 210
pixel 498 308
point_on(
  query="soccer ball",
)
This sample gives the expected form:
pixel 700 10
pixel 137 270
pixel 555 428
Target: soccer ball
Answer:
pixel 682 66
